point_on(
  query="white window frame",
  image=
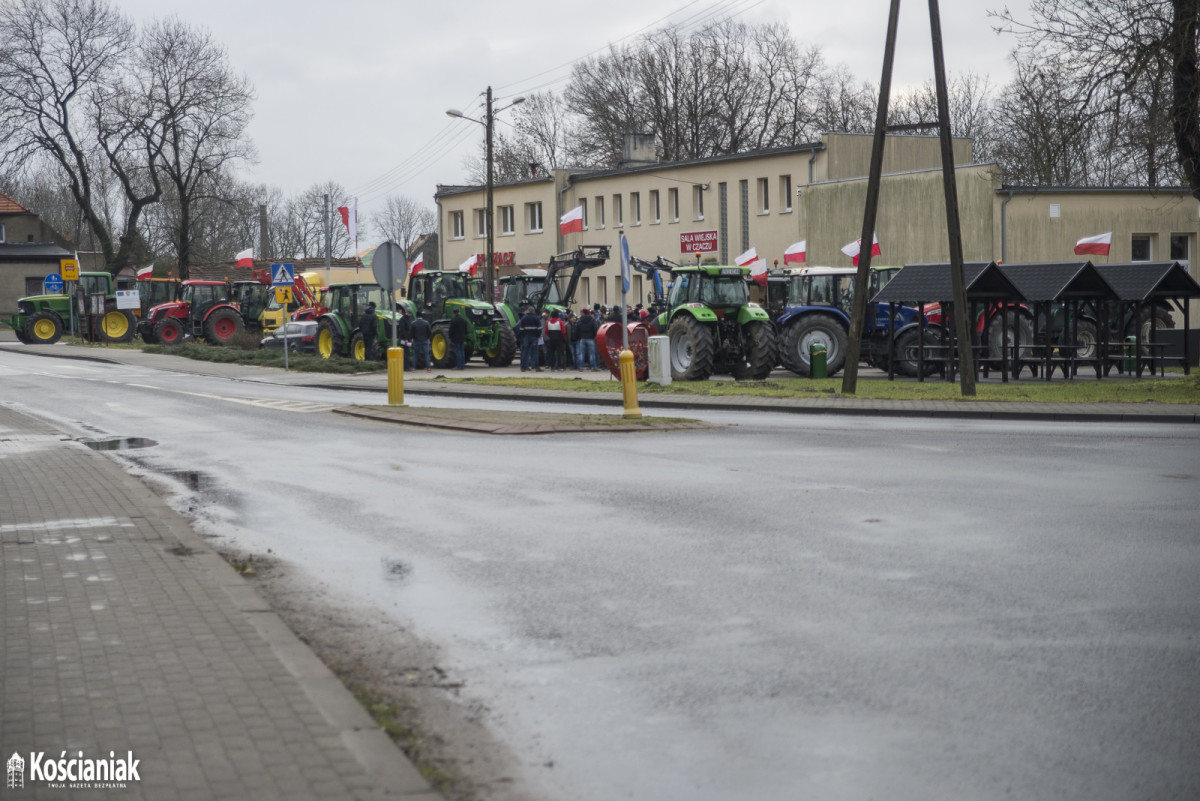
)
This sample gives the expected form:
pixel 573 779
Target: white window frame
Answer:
pixel 481 221
pixel 618 212
pixel 507 221
pixel 533 217
pixel 785 194
pixel 635 207
pixel 457 227
pixel 600 211
pixel 698 202
pixel 655 217
pixel 673 204
pixel 764 196
pixel 1149 239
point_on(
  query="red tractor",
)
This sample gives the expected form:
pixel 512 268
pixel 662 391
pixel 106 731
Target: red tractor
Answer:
pixel 204 310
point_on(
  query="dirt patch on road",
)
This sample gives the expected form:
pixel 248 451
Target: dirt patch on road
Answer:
pixel 397 677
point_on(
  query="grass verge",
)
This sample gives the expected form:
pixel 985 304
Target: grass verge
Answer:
pixel 394 719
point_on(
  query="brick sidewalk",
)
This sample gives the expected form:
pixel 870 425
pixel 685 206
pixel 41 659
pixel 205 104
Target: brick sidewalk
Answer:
pixel 123 631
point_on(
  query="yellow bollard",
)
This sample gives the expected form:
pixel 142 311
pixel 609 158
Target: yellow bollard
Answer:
pixel 629 384
pixel 395 364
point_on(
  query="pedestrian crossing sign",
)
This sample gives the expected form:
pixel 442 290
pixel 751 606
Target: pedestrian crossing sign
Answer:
pixel 283 274
pixel 283 294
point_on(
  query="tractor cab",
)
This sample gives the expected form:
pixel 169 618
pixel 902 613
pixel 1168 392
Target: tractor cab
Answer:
pixel 429 291
pixel 719 288
pixel 521 291
pixel 252 298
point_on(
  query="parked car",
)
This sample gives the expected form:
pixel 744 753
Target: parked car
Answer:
pixel 301 337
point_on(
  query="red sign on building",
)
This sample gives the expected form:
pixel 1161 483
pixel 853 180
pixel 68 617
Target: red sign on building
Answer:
pixel 698 242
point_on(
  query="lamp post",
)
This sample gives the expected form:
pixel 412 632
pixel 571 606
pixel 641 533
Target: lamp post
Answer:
pixel 488 123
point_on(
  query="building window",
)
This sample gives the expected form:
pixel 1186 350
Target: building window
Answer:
pixel 654 211
pixel 481 222
pixel 2 234
pixel 785 192
pixel 618 212
pixel 599 211
pixel 673 204
pixel 585 287
pixel 508 221
pixel 533 216
pixel 602 291
pixel 456 225
pixel 698 201
pixel 635 207
pixel 1141 247
pixel 764 196
pixel 1055 211
pixel 1180 248
pixel 583 208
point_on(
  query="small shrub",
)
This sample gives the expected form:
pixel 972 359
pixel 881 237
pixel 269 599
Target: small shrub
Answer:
pixel 245 340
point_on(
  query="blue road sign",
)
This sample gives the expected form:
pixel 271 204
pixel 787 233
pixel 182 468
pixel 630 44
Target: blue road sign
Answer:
pixel 53 283
pixel 283 274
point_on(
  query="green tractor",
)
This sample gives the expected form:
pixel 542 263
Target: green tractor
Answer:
pixel 338 331
pixel 436 294
pixel 713 326
pixel 41 319
pixel 540 289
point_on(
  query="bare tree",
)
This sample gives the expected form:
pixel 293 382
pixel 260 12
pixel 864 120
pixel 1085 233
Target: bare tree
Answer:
pixel 842 103
pixel 404 219
pixel 54 54
pixel 971 113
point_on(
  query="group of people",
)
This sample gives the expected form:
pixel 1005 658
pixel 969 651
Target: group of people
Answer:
pixel 413 334
pixel 558 341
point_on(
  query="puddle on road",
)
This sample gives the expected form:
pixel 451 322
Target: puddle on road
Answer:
pixel 118 443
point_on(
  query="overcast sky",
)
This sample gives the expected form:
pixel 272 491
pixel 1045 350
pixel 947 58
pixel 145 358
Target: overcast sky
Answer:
pixel 355 91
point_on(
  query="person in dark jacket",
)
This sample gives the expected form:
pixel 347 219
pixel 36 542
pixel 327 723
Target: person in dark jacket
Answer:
pixel 404 334
pixel 529 328
pixel 458 338
pixel 421 334
pixel 587 329
pixel 367 325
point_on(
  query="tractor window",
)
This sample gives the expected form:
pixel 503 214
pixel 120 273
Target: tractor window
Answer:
pixel 821 290
pixel 845 299
pixel 474 289
pixel 417 294
pixel 512 293
pixel 443 288
pixel 795 292
pixel 725 292
pixel 679 289
pixel 94 284
pixel 341 301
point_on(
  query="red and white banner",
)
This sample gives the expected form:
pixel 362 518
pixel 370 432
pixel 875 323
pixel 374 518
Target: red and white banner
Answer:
pixel 692 242
pixel 145 272
pixel 350 219
pixel 852 249
pixel 747 258
pixel 417 265
pixel 758 272
pixel 471 265
pixel 572 221
pixel 245 258
pixel 797 253
pixel 1095 245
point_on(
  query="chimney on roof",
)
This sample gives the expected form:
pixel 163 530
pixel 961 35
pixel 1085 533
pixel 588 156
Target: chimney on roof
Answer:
pixel 639 150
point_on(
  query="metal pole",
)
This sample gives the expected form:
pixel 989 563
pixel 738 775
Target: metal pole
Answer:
pixel 489 277
pixel 328 237
pixel 966 358
pixel 859 311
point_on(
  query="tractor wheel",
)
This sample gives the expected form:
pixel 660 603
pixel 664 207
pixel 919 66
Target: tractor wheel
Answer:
pixel 506 348
pixel 1018 322
pixel 908 352
pixel 809 330
pixel 20 332
pixel 43 328
pixel 169 331
pixel 116 326
pixel 1162 320
pixel 441 347
pixel 222 325
pixel 758 352
pixel 692 349
pixel 330 342
pixel 1086 338
pixel 148 336
pixel 358 347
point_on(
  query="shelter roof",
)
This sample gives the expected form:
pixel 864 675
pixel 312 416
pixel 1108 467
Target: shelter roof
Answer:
pixel 926 283
pixel 1039 282
pixel 32 251
pixel 1144 280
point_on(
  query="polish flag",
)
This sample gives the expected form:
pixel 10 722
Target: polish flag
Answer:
pixel 796 253
pixel 758 272
pixel 572 221
pixel 852 249
pixel 145 272
pixel 417 265
pixel 749 257
pixel 471 265
pixel 350 219
pixel 245 258
pixel 1096 245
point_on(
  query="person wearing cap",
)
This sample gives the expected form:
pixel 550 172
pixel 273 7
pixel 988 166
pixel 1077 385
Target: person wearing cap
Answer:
pixel 556 338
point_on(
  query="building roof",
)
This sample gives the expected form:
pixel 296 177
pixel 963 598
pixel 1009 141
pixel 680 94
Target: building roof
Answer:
pixel 1038 282
pixel 1144 280
pixel 927 283
pixel 10 206
pixel 32 251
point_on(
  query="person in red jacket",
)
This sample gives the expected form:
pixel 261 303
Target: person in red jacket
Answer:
pixel 556 341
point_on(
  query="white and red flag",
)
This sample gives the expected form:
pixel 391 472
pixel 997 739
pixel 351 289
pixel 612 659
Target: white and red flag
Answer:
pixel 145 272
pixel 417 265
pixel 471 265
pixel 852 249
pixel 350 219
pixel 245 258
pixel 758 272
pixel 572 221
pixel 1095 245
pixel 747 258
pixel 797 253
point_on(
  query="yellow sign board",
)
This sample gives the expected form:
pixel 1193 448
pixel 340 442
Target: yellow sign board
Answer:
pixel 283 294
pixel 70 269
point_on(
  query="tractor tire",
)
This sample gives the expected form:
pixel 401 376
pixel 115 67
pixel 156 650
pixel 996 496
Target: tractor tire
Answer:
pixel 908 356
pixel 758 352
pixel 117 325
pixel 1017 322
pixel 692 349
pixel 169 331
pixel 1087 339
pixel 43 328
pixel 809 330
pixel 223 325
pixel 1162 320
pixel 20 332
pixel 506 348
pixel 330 341
pixel 358 347
pixel 440 346
pixel 148 336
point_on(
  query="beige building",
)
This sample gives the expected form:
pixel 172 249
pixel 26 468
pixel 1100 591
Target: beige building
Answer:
pixel 813 192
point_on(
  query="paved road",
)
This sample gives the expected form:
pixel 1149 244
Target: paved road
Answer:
pixel 792 607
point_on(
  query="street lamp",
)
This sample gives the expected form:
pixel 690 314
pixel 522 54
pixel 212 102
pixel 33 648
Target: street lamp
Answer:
pixel 489 270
